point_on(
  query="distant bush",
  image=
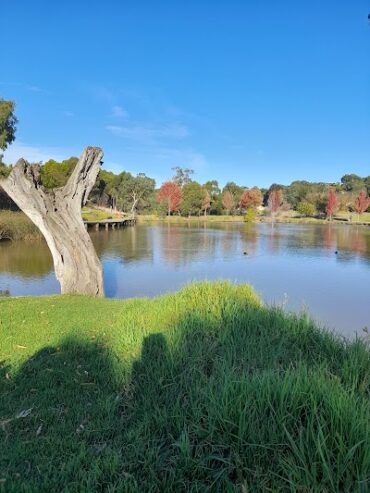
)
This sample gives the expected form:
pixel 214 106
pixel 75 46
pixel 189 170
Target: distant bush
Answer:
pixel 250 215
pixel 306 209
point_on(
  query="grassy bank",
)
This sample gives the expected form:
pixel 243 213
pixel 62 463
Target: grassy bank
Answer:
pixel 184 219
pixel 96 214
pixel 17 226
pixel 289 218
pixel 204 390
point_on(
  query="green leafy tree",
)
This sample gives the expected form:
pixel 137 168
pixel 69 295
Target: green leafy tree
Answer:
pixel 182 176
pixel 212 187
pixel 193 196
pixel 55 174
pixel 131 192
pixel 306 209
pixel 367 184
pixel 216 205
pixel 352 183
pixel 296 192
pixel 101 194
pixel 8 123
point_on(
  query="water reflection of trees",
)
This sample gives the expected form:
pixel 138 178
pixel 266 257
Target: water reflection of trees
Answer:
pixel 180 245
pixel 127 244
pixel 249 236
pixel 29 259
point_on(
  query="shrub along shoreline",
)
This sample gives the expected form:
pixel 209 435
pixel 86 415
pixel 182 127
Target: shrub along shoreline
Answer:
pixel 202 390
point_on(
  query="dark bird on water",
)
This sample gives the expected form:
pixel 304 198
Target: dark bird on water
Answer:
pixel 245 253
pixel 336 252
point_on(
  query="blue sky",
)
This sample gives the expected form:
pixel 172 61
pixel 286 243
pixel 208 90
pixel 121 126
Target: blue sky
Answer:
pixel 251 91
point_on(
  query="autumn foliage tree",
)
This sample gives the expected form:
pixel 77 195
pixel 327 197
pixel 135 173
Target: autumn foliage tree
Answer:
pixel 206 204
pixel 362 203
pixel 275 201
pixel 331 204
pixel 228 201
pixel 251 198
pixel 171 195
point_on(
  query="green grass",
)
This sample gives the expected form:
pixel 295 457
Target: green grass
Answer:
pixel 184 219
pixel 17 226
pixel 95 214
pixel 205 390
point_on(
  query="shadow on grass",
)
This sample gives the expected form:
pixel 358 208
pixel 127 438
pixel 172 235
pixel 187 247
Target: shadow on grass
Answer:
pixel 250 400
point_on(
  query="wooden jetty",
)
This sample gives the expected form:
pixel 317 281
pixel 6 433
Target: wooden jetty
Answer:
pixel 113 223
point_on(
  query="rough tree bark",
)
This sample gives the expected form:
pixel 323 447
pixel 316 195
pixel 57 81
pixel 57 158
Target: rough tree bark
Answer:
pixel 57 214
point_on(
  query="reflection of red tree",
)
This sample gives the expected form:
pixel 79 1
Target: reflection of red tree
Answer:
pixel 171 245
pixel 328 237
pixel 359 244
pixel 171 195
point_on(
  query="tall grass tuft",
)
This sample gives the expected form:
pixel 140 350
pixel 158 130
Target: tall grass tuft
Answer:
pixel 203 390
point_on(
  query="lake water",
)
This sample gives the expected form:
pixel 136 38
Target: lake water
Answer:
pixel 294 265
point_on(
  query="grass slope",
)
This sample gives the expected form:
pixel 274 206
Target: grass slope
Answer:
pixel 204 390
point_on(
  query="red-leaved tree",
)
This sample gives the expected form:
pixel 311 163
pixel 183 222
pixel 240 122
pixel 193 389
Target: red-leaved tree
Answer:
pixel 251 198
pixel 362 203
pixel 228 201
pixel 275 201
pixel 206 204
pixel 331 204
pixel 171 195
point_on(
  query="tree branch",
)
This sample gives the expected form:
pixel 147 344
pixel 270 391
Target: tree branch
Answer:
pixel 23 186
pixel 84 175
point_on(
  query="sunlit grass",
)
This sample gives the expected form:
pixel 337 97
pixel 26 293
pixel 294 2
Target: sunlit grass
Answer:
pixel 17 226
pixel 95 214
pixel 184 219
pixel 204 390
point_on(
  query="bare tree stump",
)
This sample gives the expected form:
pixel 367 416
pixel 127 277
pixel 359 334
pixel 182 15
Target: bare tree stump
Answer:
pixel 57 213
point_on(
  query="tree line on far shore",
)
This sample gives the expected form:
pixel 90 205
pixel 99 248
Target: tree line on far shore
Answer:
pixel 183 195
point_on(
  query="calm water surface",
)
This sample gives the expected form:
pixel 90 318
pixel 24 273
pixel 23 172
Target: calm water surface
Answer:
pixel 294 265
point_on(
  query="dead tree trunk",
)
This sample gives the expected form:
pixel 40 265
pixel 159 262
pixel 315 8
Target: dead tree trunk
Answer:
pixel 57 214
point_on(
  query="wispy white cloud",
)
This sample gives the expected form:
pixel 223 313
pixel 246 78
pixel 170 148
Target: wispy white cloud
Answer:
pixel 33 154
pixel 119 112
pixel 22 85
pixel 68 114
pixel 101 93
pixel 149 134
pixel 33 88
